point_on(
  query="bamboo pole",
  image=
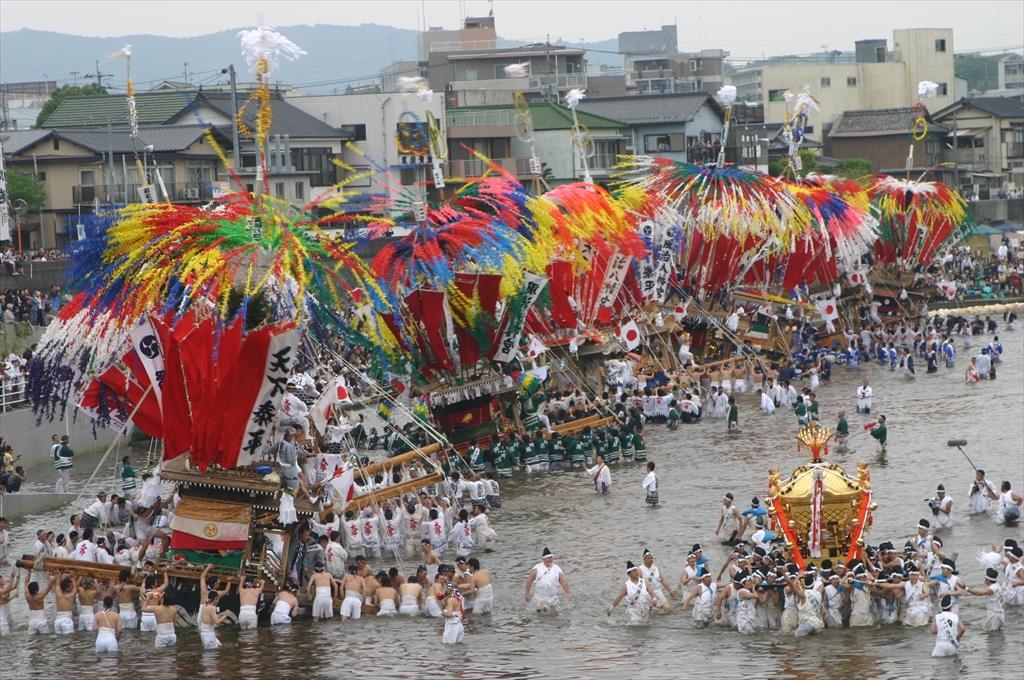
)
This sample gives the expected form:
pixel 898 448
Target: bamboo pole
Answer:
pixel 393 462
pixel 378 495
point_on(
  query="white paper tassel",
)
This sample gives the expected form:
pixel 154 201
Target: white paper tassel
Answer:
pixel 286 512
pixel 266 43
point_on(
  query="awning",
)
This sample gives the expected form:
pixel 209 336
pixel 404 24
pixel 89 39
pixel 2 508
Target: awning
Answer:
pixel 1010 226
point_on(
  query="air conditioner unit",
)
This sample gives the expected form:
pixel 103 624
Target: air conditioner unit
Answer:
pixel 191 192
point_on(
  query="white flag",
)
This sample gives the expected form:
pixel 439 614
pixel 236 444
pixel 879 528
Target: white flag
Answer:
pixel 857 277
pixel 629 332
pixel 680 311
pixel 948 289
pixel 323 408
pixel 147 346
pixel 536 347
pixel 827 309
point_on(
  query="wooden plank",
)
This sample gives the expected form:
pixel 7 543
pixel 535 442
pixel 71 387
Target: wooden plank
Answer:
pixel 388 463
pixel 379 495
pixel 577 425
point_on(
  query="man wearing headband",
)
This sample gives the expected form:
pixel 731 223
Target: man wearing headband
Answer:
pixel 947 629
pixel 808 597
pixel 730 520
pixel 637 593
pixel 454 614
pixel 706 594
pixel 993 594
pixel 601 476
pixel 546 578
pixel 652 575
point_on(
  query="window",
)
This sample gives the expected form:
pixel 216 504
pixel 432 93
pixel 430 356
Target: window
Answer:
pixel 199 175
pixel 87 177
pixel 693 66
pixel 466 74
pixel 880 55
pixel 279 189
pixel 356 131
pixel 605 154
pixel 41 176
pixel 362 171
pixel 407 176
pixel 776 95
pixel 933 147
pixel 664 143
pixel 940 45
pixel 826 81
pixel 851 81
pixel 808 129
pixel 56 143
pixel 943 89
pixel 316 159
pixel 300 191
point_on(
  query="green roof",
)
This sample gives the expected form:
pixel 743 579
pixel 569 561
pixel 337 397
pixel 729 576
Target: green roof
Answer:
pixel 551 116
pixel 154 108
pixel 984 230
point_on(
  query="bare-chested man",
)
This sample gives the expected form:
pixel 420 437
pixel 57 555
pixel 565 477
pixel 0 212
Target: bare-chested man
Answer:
pixel 88 596
pixel 208 616
pixel 165 613
pixel 35 596
pixel 8 591
pixel 411 594
pixel 153 594
pixel 66 594
pixel 322 588
pixel 354 587
pixel 249 592
pixel 481 578
pixel 127 596
pixel 430 559
pixel 386 597
pixel 285 605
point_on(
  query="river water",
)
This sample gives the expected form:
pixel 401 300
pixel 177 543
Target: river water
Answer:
pixel 592 538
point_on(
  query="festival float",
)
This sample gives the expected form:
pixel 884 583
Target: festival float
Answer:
pixel 821 510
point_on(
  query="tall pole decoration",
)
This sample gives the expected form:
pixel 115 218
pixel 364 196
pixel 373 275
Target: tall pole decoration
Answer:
pixel 582 143
pixel 793 128
pixel 263 49
pixel 926 89
pixel 727 96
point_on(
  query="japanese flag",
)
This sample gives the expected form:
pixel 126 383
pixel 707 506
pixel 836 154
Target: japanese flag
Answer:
pixel 947 288
pixel 857 277
pixel 323 408
pixel 827 309
pixel 343 488
pixel 680 311
pixel 536 347
pixel 629 333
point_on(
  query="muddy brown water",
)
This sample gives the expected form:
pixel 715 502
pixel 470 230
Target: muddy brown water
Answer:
pixel 594 536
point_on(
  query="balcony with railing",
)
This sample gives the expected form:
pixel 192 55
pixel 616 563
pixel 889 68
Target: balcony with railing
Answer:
pixel 562 80
pixel 1015 149
pixel 181 192
pixel 479 124
pixel 473 167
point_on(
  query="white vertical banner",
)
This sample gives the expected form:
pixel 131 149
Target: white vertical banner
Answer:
pixel 5 202
pixel 147 346
pixel 508 344
pixel 648 230
pixel 281 356
pixel 614 275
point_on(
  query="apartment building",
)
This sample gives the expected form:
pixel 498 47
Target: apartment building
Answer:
pixel 873 76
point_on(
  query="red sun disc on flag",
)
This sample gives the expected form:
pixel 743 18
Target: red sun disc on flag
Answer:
pixel 680 309
pixel 829 309
pixel 342 393
pixel 632 335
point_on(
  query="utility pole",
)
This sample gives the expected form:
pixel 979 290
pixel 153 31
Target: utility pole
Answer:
pixel 547 68
pixel 99 76
pixel 186 72
pixel 236 154
pixel 74 74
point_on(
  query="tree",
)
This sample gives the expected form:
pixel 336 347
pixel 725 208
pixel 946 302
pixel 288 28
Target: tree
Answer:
pixel 26 187
pixel 62 93
pixel 807 159
pixel 980 71
pixel 854 168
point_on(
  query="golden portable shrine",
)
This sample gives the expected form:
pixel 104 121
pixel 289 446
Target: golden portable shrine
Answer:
pixel 820 510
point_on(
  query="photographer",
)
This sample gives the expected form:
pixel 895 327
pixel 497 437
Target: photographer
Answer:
pixel 941 507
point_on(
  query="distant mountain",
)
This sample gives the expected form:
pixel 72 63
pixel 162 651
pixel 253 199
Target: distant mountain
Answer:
pixel 338 56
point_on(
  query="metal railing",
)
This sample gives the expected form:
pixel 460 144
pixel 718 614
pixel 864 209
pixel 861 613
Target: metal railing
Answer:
pixel 12 393
pixel 559 79
pixel 502 118
pixel 474 167
pixel 179 192
pixel 463 45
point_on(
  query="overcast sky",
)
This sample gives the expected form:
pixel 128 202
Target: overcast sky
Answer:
pixel 748 29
